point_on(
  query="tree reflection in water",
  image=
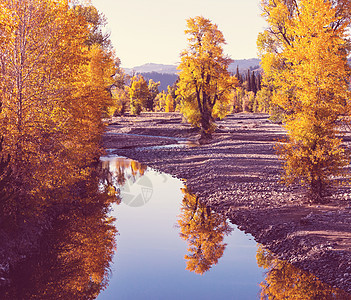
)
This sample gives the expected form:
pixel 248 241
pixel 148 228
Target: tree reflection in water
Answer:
pixel 204 230
pixel 122 169
pixel 67 253
pixel 284 281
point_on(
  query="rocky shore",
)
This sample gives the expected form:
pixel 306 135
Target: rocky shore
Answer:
pixel 238 174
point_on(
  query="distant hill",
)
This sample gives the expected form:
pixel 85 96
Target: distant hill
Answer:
pixel 167 74
pixel 164 79
pixel 148 68
pixel 245 64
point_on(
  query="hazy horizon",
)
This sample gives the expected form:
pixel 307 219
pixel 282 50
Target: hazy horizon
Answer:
pixel 153 31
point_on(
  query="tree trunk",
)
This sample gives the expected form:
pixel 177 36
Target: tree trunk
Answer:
pixel 316 190
pixel 206 126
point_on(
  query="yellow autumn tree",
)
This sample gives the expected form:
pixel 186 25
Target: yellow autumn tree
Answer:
pixel 204 83
pixel 153 92
pixel 169 103
pixel 39 65
pixel 103 71
pixel 160 101
pixel 53 89
pixel 96 21
pixel 275 38
pixel 139 94
pixel 304 56
pixel 120 102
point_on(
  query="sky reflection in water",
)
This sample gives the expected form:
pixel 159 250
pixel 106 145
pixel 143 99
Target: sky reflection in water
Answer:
pixel 157 221
pixel 69 257
pixel 150 264
pixel 157 214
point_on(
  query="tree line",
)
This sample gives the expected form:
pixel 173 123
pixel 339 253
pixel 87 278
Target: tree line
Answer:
pixel 304 85
pixel 137 94
pixel 60 77
pixel 57 70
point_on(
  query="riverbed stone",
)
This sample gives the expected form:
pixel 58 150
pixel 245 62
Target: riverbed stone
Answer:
pixel 238 174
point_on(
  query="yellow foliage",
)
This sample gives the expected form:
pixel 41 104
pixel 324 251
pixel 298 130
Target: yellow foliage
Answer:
pixel 204 81
pixel 169 104
pixel 139 94
pixel 160 101
pixel 284 281
pixel 306 63
pixel 53 91
pixel 204 230
pixel 153 92
pixel 120 101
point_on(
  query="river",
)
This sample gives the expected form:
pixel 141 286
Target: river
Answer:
pixel 171 247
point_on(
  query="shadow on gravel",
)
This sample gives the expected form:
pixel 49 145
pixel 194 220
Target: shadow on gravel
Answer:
pixel 238 174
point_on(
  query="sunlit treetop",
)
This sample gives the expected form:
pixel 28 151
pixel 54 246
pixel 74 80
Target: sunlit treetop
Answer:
pixel 96 22
pixel 204 80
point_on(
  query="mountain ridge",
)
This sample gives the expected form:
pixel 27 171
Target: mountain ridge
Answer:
pixel 243 64
pixel 153 67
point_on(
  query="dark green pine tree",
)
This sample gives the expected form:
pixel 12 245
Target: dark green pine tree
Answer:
pixel 249 87
pixel 253 83
pixel 259 81
pixel 238 76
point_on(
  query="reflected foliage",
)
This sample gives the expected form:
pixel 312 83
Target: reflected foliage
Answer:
pixel 65 253
pixel 4 174
pixel 284 281
pixel 56 238
pixel 204 230
pixel 54 91
pixel 121 170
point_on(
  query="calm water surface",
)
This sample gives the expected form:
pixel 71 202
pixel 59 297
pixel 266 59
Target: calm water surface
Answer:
pixel 149 262
pixel 169 245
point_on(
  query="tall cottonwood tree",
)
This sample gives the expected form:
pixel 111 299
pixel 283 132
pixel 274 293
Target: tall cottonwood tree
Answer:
pixel 204 80
pixel 106 64
pixel 153 92
pixel 38 63
pixel 53 91
pixel 304 57
pixel 139 94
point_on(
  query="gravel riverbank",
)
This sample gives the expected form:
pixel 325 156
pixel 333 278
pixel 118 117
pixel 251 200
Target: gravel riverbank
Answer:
pixel 238 174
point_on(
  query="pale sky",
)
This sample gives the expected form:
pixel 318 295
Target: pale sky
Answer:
pixel 152 31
